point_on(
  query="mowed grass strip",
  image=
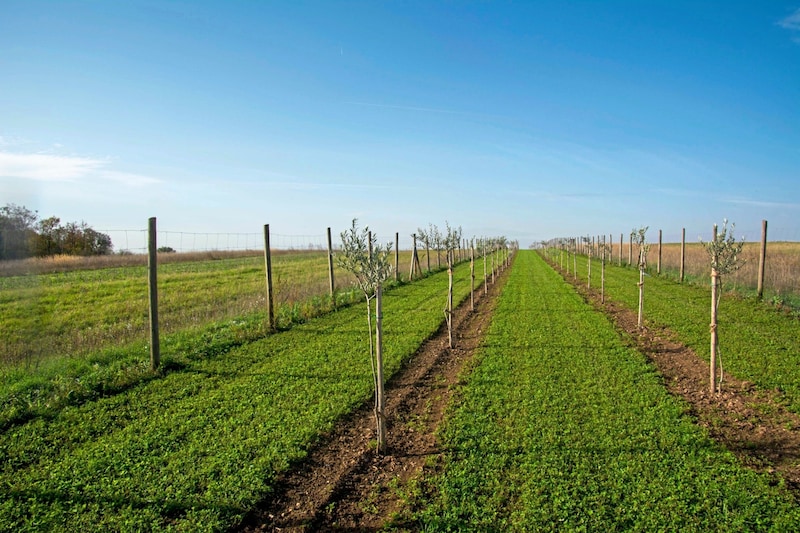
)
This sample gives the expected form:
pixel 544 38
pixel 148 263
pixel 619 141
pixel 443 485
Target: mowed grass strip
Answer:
pixel 757 342
pixel 560 427
pixel 195 449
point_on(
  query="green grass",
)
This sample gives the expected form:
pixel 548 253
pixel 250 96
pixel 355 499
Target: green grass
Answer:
pixel 195 448
pixel 75 313
pixel 757 342
pixel 560 427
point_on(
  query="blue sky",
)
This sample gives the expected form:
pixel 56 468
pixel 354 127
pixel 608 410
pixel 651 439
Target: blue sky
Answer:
pixel 528 119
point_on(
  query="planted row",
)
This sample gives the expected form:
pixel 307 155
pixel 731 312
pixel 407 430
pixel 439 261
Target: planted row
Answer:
pixel 757 343
pixel 561 427
pixel 198 447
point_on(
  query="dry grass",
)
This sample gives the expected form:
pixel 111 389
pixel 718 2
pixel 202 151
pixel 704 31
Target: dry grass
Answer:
pixel 68 306
pixel 68 263
pixel 781 276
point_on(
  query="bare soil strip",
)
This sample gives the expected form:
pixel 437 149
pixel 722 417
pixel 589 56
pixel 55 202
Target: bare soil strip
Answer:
pixel 343 485
pixel 751 423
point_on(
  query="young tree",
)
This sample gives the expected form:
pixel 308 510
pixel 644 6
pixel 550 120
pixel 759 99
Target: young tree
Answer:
pixel 639 237
pixel 724 252
pixel 605 251
pixel 472 275
pixel 587 243
pixel 370 263
pixel 451 242
pixel 435 236
pixel 425 237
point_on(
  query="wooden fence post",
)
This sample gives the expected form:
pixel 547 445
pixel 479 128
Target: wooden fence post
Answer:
pixel 619 263
pixel 762 259
pixel 472 276
pixel 683 253
pixel 330 270
pixel 714 287
pixel 485 275
pixel 658 264
pixel 414 260
pixel 152 285
pixel 428 252
pixel 397 256
pixel 268 266
pixel 630 250
pixel 603 269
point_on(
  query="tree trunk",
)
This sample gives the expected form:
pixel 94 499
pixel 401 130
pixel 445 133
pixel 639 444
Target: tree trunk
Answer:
pixel 589 271
pixel 641 297
pixel 485 274
pixel 603 273
pixel 379 393
pixel 575 263
pixel 713 363
pixel 449 311
pixel 428 254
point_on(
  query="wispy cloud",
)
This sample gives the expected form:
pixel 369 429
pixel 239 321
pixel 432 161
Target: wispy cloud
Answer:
pixel 46 167
pixel 409 108
pixel 425 109
pixel 792 23
pixel 53 168
pixel 127 178
pixel 762 203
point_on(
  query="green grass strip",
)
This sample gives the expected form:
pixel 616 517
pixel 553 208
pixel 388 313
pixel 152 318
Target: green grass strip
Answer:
pixel 757 343
pixel 560 427
pixel 197 448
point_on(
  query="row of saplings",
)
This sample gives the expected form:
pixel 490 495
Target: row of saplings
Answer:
pixel 724 253
pixel 370 263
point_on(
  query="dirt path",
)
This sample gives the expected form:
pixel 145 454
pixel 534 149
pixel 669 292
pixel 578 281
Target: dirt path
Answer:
pixel 343 485
pixel 752 423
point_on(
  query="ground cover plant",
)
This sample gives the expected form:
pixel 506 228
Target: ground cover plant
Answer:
pixel 195 448
pixel 758 343
pixel 68 337
pixel 562 427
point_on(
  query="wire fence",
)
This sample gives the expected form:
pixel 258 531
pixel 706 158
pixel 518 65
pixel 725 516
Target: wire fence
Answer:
pixel 781 264
pixel 135 241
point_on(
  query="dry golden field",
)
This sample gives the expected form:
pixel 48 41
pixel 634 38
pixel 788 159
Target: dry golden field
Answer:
pixel 781 276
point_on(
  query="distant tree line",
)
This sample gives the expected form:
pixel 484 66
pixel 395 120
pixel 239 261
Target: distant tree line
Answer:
pixel 23 235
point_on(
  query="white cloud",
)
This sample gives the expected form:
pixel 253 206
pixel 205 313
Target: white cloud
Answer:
pixel 46 167
pixel 127 178
pixel 59 168
pixel 792 23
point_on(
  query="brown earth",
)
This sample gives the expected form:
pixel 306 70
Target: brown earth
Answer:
pixel 343 484
pixel 754 424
